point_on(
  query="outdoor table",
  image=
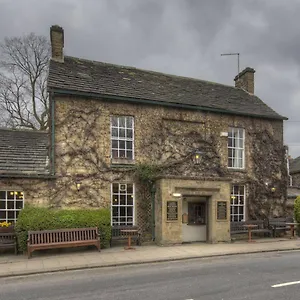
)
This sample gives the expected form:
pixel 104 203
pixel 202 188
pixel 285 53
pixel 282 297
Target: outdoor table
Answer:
pixel 292 225
pixel 250 227
pixel 129 232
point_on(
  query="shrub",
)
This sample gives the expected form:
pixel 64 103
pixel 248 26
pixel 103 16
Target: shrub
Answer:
pixel 40 218
pixel 297 209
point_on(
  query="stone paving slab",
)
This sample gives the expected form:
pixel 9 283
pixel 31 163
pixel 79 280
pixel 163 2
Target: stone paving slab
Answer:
pixel 11 265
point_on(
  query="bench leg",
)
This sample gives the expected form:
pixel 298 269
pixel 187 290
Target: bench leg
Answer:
pixel 98 246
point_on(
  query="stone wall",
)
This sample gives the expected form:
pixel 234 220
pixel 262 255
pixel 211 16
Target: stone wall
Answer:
pixel 166 137
pixel 296 179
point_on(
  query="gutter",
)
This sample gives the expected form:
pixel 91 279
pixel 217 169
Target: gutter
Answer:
pixel 161 103
pixel 32 176
pixel 52 101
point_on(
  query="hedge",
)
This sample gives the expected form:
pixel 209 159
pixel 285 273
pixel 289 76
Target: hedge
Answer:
pixel 297 209
pixel 39 218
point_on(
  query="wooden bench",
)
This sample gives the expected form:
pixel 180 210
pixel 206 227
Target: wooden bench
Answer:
pixel 8 240
pixel 278 225
pixel 62 238
pixel 239 228
pixel 117 234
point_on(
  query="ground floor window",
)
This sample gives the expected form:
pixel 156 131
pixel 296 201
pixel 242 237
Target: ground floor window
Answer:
pixel 122 204
pixel 11 202
pixel 237 207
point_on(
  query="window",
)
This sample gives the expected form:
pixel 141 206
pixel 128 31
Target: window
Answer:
pixel 236 153
pixel 237 204
pixel 196 213
pixel 122 137
pixel 122 203
pixel 11 202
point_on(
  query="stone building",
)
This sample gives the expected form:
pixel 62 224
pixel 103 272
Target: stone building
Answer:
pixel 179 157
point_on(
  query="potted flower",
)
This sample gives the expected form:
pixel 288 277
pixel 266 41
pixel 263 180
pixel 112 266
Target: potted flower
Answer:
pixel 6 227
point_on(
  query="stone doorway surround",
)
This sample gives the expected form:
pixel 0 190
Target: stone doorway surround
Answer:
pixel 169 198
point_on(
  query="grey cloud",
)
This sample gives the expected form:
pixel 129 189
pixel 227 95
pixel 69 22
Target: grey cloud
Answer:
pixel 184 37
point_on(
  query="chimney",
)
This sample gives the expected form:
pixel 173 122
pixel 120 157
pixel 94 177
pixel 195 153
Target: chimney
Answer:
pixel 57 43
pixel 245 80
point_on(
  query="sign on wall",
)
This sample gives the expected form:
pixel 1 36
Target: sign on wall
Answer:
pixel 172 210
pixel 221 210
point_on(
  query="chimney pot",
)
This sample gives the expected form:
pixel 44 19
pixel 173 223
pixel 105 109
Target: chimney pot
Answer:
pixel 57 42
pixel 245 80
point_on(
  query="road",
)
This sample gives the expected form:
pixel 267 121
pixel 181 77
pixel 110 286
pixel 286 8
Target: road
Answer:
pixel 224 278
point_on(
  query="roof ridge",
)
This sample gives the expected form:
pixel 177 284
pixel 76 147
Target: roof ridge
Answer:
pixel 23 130
pixel 154 72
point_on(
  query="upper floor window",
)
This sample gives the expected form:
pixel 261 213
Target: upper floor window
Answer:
pixel 122 137
pixel 11 202
pixel 236 148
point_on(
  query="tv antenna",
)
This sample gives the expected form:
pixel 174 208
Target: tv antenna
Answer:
pixel 238 59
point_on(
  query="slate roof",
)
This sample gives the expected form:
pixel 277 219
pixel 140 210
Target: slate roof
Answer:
pixel 23 152
pixel 97 78
pixel 295 165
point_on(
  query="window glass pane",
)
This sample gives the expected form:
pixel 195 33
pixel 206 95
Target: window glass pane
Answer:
pixel 114 121
pixel 2 204
pixel 19 204
pixel 122 121
pixel 129 145
pixel 130 211
pixel 241 133
pixel 129 188
pixel 122 211
pixel 114 144
pixel 2 195
pixel 11 215
pixel 230 153
pixel 122 144
pixel 115 211
pixel 129 122
pixel 115 153
pixel 122 154
pixel 122 133
pixel 122 199
pixel 10 204
pixel 130 200
pixel 114 132
pixel 2 214
pixel 10 195
pixel 129 133
pixel 129 154
pixel 115 187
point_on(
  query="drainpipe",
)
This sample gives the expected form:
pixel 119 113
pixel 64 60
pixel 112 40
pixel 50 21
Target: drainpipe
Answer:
pixel 153 191
pixel 52 133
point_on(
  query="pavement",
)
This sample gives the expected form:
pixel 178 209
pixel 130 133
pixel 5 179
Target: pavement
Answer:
pixel 54 261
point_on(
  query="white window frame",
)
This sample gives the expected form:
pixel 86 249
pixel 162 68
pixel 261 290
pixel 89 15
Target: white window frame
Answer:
pixel 118 138
pixel 236 147
pixel 14 200
pixel 126 205
pixel 235 199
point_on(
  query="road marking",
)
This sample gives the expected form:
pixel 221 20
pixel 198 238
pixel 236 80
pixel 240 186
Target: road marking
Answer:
pixel 285 284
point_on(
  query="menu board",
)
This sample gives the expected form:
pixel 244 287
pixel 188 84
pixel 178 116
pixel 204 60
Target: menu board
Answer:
pixel 221 210
pixel 172 210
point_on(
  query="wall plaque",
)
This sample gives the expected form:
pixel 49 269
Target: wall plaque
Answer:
pixel 172 210
pixel 221 210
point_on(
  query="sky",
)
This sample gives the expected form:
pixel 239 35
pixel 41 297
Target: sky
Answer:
pixel 182 37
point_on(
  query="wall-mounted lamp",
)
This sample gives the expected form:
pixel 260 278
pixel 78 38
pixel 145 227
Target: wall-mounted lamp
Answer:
pixel 197 157
pixel 78 184
pixel 273 189
pixel 177 195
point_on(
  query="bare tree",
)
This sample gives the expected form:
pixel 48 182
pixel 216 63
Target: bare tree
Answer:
pixel 23 73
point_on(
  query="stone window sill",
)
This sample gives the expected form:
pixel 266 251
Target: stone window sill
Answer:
pixel 122 161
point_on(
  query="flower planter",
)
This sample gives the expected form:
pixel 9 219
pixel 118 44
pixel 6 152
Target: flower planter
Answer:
pixel 7 229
